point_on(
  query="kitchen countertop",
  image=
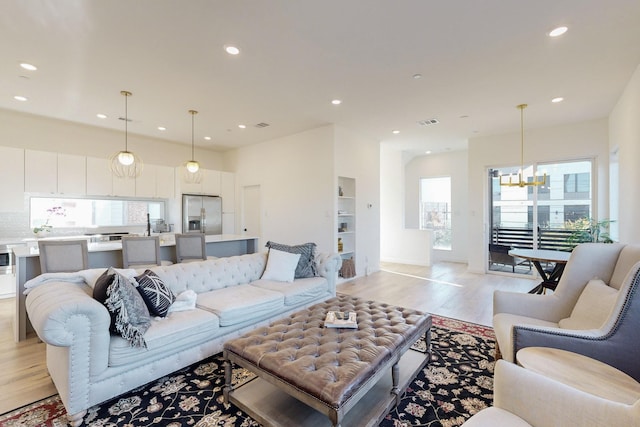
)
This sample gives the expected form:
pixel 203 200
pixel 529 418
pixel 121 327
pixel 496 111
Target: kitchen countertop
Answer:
pixel 30 247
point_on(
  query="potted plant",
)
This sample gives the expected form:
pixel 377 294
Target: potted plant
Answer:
pixel 588 230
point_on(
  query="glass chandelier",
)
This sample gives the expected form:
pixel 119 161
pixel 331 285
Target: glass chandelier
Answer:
pixel 192 172
pixel 125 164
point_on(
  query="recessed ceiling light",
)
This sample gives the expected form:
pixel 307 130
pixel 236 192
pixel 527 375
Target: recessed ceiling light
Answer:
pixel 427 152
pixel 395 131
pixel 242 126
pixel 336 102
pixel 29 67
pixel 162 128
pixel 20 98
pixel 232 50
pixel 558 99
pixel 101 116
pixel 417 76
pixel 208 138
pixel 558 31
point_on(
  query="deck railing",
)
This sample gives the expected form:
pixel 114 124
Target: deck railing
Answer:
pixel 548 238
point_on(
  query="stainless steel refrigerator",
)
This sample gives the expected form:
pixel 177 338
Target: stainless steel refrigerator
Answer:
pixel 201 214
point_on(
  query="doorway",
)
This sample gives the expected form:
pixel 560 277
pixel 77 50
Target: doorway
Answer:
pixel 251 210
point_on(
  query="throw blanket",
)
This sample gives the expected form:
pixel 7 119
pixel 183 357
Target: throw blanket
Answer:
pixel 83 276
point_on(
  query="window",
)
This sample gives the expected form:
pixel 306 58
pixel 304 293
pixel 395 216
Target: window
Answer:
pixel 435 209
pixel 87 213
pixel 577 185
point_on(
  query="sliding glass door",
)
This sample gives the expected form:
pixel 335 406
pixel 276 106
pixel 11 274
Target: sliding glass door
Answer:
pixel 537 216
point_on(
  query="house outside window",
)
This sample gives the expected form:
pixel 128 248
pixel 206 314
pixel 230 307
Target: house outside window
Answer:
pixel 435 210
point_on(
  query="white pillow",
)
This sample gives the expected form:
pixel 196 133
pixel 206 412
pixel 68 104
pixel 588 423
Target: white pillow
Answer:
pixel 281 266
pixel 593 306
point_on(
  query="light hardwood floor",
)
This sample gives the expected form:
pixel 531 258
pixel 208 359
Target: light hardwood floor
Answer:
pixel 445 289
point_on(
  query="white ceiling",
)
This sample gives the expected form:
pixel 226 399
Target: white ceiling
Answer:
pixel 478 60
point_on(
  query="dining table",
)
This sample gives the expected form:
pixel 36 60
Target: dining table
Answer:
pixel 550 277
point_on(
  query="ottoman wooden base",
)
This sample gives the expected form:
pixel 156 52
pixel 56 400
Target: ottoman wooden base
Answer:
pixel 311 375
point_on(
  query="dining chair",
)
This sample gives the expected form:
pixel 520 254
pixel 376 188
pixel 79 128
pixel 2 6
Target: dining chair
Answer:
pixel 141 252
pixel 191 247
pixel 63 256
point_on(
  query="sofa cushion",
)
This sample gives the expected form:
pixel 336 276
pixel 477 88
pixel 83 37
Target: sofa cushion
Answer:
pixel 178 330
pixel 240 304
pixel 298 292
pixel 592 308
pixel 306 264
pixel 503 325
pixel 155 293
pixel 281 266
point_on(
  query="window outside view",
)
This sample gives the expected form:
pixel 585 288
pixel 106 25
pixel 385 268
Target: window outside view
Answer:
pixel 435 210
pixel 90 213
pixel 549 216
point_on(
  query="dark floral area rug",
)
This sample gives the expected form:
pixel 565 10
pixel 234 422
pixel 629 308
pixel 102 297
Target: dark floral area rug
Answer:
pixel 456 384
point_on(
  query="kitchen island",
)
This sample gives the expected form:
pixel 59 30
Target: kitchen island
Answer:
pixel 109 254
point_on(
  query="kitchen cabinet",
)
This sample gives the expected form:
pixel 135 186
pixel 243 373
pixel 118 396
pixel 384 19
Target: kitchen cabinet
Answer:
pixel 165 182
pixel 40 171
pixel 72 174
pixel 98 177
pixel 210 184
pixel 12 174
pixel 146 182
pixel 228 191
pixel 52 173
pixel 124 187
pixel 228 222
pixel 155 181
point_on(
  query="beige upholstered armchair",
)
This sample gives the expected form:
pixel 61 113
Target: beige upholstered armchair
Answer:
pixel 523 398
pixel 594 311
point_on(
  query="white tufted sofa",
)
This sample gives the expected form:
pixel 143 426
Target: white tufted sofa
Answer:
pixel 89 365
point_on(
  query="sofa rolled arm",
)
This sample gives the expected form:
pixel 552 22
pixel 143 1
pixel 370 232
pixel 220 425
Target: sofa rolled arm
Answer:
pixel 328 263
pixel 544 307
pixel 56 310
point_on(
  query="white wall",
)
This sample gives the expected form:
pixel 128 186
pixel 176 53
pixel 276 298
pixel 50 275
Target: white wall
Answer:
pixel 624 135
pixel 453 164
pixel 296 178
pixel 40 133
pixel 566 142
pixel 358 157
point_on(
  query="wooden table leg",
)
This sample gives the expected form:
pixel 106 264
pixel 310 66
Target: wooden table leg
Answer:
pixel 227 380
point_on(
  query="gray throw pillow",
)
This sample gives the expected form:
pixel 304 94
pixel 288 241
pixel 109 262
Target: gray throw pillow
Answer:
pixel 129 314
pixel 306 264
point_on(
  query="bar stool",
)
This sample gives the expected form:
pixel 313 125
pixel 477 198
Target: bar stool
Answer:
pixel 191 247
pixel 141 252
pixel 63 256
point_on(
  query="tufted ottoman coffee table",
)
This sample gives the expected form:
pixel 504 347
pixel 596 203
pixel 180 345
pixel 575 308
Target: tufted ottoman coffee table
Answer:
pixel 309 375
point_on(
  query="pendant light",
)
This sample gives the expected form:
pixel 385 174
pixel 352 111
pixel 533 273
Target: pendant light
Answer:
pixel 521 182
pixel 192 171
pixel 125 164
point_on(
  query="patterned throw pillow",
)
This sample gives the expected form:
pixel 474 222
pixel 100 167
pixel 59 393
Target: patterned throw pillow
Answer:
pixel 306 264
pixel 129 314
pixel 155 293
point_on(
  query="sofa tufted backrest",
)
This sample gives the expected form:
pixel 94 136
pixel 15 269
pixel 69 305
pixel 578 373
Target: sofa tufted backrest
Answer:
pixel 213 274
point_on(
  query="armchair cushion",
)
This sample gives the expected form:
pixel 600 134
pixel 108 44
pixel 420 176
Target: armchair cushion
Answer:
pixel 592 308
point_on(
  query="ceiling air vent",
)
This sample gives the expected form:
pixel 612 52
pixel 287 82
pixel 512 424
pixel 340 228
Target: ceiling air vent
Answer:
pixel 262 125
pixel 428 122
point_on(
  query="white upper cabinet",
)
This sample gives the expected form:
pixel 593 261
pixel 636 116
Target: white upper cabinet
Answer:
pixel 98 177
pixel 211 182
pixel 165 182
pixel 72 174
pixel 40 172
pixel 12 173
pixel 53 173
pixel 228 192
pixel 146 182
pixel 124 187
